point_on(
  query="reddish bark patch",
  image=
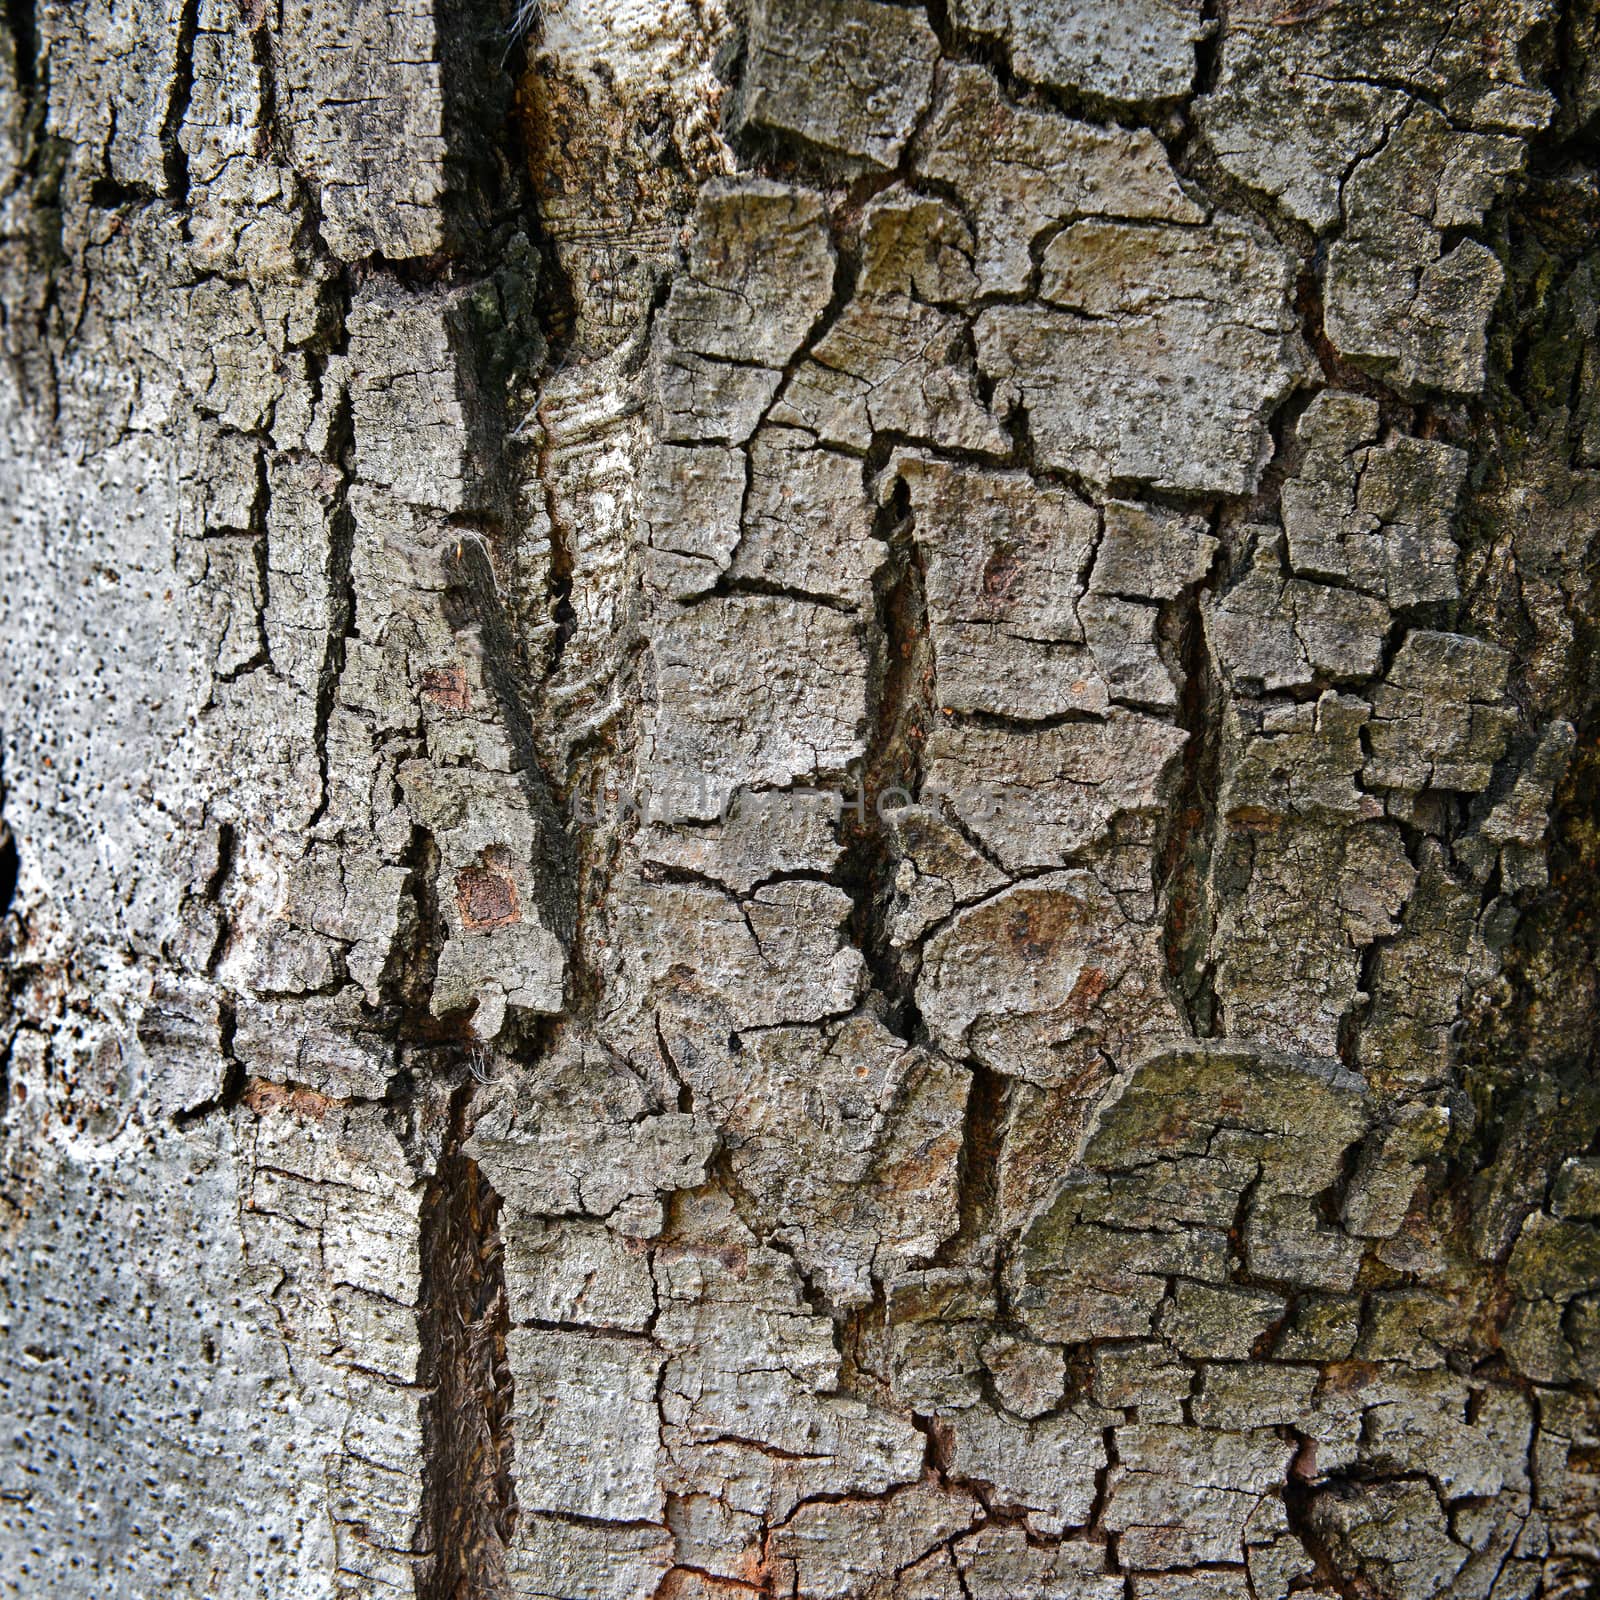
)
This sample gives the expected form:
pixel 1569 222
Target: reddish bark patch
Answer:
pixel 447 687
pixel 1036 927
pixel 487 897
pixel 1000 574
pixel 262 1097
pixel 1086 992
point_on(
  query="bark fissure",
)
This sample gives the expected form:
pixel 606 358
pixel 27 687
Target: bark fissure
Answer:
pixel 469 1494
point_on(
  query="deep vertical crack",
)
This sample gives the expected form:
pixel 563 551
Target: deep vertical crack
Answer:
pixel 1183 859
pixel 175 163
pixel 9 863
pixel 900 708
pixel 23 24
pixel 469 1497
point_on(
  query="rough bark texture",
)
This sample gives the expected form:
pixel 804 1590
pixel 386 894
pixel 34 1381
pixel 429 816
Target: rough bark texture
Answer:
pixel 800 799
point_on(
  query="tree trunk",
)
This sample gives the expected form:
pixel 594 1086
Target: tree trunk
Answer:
pixel 800 799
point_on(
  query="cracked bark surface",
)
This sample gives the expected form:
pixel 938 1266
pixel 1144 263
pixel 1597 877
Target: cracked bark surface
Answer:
pixel 799 799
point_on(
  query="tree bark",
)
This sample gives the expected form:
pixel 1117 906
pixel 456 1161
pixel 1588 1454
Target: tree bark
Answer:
pixel 800 799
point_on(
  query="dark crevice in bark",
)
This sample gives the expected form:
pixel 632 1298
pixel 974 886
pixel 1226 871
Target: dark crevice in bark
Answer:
pixel 408 980
pixel 978 1172
pixel 900 708
pixel 8 868
pixel 1528 1051
pixel 1102 1493
pixel 1299 1497
pixel 341 589
pixel 1208 50
pixel 235 1080
pixel 22 21
pixel 9 863
pixel 30 323
pixel 750 1213
pixel 469 1497
pixel 562 554
pixel 175 163
pixel 269 127
pixel 1189 841
pixel 485 173
pixel 508 332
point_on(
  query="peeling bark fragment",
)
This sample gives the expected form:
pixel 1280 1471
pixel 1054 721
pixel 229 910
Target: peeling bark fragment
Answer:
pixel 833 1552
pixel 916 246
pixel 1469 1442
pixel 1146 1375
pixel 1397 298
pixel 864 113
pixel 1325 893
pixel 1303 94
pixel 1393 1534
pixel 1042 976
pixel 1019 173
pixel 934 1321
pixel 586 1424
pixel 1139 51
pixel 1148 553
pixel 843 1143
pixel 557 1559
pixel 692 500
pixel 890 365
pixel 815 541
pixel 1127 381
pixel 583 1137
pixel 1239 1395
pixel 998 1563
pixel 1046 1469
pixel 1378 517
pixel 782 956
pixel 402 367
pixel 760 273
pixel 181 1024
pixel 1225 1323
pixel 1389 1173
pixel 1297 760
pixel 1439 717
pixel 1035 797
pixel 575 1271
pixel 1517 824
pixel 773 1434
pixel 1417 979
pixel 728 718
pixel 765 834
pixel 1004 559
pixel 318 1041
pixel 116 78
pixel 938 871
pixel 357 84
pixel 501 949
pixel 1169 1515
pixel 1190 1145
pixel 715 402
pixel 1029 1379
pixel 1269 632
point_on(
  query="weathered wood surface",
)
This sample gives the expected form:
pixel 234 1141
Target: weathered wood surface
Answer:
pixel 803 797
